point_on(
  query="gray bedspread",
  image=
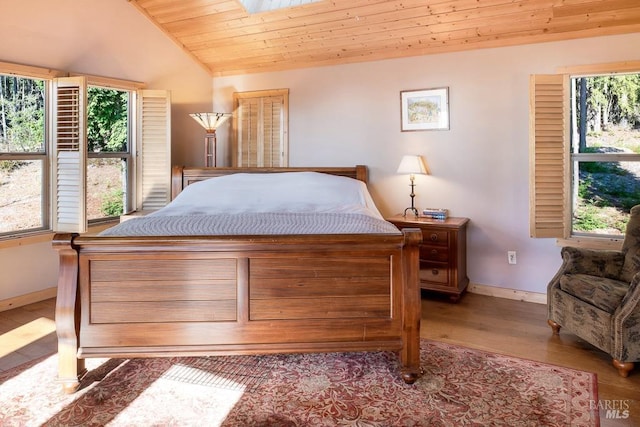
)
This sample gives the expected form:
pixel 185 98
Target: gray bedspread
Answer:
pixel 252 224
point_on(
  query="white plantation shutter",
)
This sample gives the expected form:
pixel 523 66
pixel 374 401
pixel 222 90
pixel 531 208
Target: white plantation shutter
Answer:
pixel 68 131
pixel 549 155
pixel 154 152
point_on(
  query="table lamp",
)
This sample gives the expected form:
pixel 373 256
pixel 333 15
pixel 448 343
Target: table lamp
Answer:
pixel 412 164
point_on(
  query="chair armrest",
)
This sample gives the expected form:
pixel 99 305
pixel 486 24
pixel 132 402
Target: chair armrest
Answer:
pixel 601 263
pixel 626 324
pixel 632 298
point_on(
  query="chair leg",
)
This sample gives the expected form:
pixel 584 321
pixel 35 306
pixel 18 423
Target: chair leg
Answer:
pixel 623 367
pixel 554 326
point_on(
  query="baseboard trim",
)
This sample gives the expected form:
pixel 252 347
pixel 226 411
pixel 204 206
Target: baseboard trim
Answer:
pixel 476 288
pixel 26 299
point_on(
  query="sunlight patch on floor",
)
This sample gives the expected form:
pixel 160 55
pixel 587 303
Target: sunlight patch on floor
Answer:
pixel 200 404
pixel 26 334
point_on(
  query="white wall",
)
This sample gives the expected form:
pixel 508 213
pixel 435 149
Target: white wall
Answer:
pixel 346 115
pixel 107 38
pixel 340 115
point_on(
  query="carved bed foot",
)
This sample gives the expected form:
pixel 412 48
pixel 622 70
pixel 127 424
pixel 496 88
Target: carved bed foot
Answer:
pixel 623 367
pixel 554 326
pixel 70 371
pixel 410 376
pixel 70 386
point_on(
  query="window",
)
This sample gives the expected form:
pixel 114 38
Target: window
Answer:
pixel 257 6
pixel 78 149
pixel 260 124
pixel 23 155
pixel 605 153
pixel 585 151
pixel 109 164
pixel 70 152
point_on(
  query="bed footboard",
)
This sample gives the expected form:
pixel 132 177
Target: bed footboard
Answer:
pixel 70 367
pixel 200 295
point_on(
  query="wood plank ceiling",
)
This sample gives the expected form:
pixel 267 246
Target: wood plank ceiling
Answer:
pixel 227 40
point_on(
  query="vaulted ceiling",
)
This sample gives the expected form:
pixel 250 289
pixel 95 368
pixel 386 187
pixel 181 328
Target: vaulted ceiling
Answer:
pixel 227 40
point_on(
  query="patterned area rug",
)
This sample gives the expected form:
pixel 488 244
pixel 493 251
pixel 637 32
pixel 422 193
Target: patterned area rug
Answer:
pixel 460 387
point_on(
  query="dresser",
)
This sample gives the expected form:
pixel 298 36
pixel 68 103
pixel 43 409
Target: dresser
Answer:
pixel 443 253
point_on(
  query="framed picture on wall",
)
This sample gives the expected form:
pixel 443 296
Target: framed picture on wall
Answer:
pixel 424 109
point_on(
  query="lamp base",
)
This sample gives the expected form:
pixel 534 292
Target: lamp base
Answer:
pixel 210 149
pixel 412 209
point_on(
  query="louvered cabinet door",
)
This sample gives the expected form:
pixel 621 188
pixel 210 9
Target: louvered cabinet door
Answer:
pixel 260 129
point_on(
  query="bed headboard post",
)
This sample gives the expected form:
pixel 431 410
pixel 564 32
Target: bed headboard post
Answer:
pixel 361 173
pixel 176 181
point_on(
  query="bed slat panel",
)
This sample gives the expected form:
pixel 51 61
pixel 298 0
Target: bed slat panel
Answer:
pixel 264 268
pixel 319 287
pixel 194 290
pixel 121 270
pixel 162 312
pixel 320 308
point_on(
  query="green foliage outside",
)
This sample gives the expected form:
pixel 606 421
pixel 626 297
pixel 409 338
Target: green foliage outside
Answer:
pixel 112 203
pixel 107 131
pixel 614 99
pixel 608 190
pixel 107 120
pixel 22 110
pixel 21 115
pixel 22 126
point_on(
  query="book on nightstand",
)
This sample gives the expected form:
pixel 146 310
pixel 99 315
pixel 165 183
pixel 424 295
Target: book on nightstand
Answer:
pixel 435 213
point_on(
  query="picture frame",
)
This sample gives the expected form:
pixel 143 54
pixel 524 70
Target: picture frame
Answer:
pixel 424 109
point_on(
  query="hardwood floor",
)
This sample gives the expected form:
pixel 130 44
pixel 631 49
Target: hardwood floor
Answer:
pixel 27 333
pixel 520 329
pixel 493 324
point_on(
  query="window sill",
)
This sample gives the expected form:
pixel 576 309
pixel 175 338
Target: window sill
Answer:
pixel 606 243
pixel 46 236
pixel 26 239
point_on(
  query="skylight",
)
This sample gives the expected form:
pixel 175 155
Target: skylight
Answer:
pixel 257 6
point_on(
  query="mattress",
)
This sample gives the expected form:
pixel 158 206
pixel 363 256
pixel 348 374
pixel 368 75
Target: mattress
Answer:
pixel 264 204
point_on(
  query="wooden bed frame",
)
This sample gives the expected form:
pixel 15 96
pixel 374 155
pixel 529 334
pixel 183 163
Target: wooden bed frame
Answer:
pixel 224 295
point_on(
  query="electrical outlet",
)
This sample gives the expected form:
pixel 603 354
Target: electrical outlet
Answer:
pixel 511 256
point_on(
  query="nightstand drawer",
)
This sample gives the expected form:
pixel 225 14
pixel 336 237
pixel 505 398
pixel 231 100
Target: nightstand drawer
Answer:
pixel 443 253
pixel 434 253
pixel 435 237
pixel 435 274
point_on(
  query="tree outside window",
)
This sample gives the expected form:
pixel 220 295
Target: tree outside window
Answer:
pixel 108 166
pixel 605 152
pixel 22 154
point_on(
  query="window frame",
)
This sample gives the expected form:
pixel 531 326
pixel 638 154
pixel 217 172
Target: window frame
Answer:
pixel 154 142
pixel 562 229
pixel 129 155
pixel 34 73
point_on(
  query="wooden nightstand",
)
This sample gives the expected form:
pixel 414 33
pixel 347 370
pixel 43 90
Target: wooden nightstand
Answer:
pixel 443 253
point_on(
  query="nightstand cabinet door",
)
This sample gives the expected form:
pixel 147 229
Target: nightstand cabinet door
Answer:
pixel 443 253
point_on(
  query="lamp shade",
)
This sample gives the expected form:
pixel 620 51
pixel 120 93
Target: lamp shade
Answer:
pixel 210 121
pixel 413 164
